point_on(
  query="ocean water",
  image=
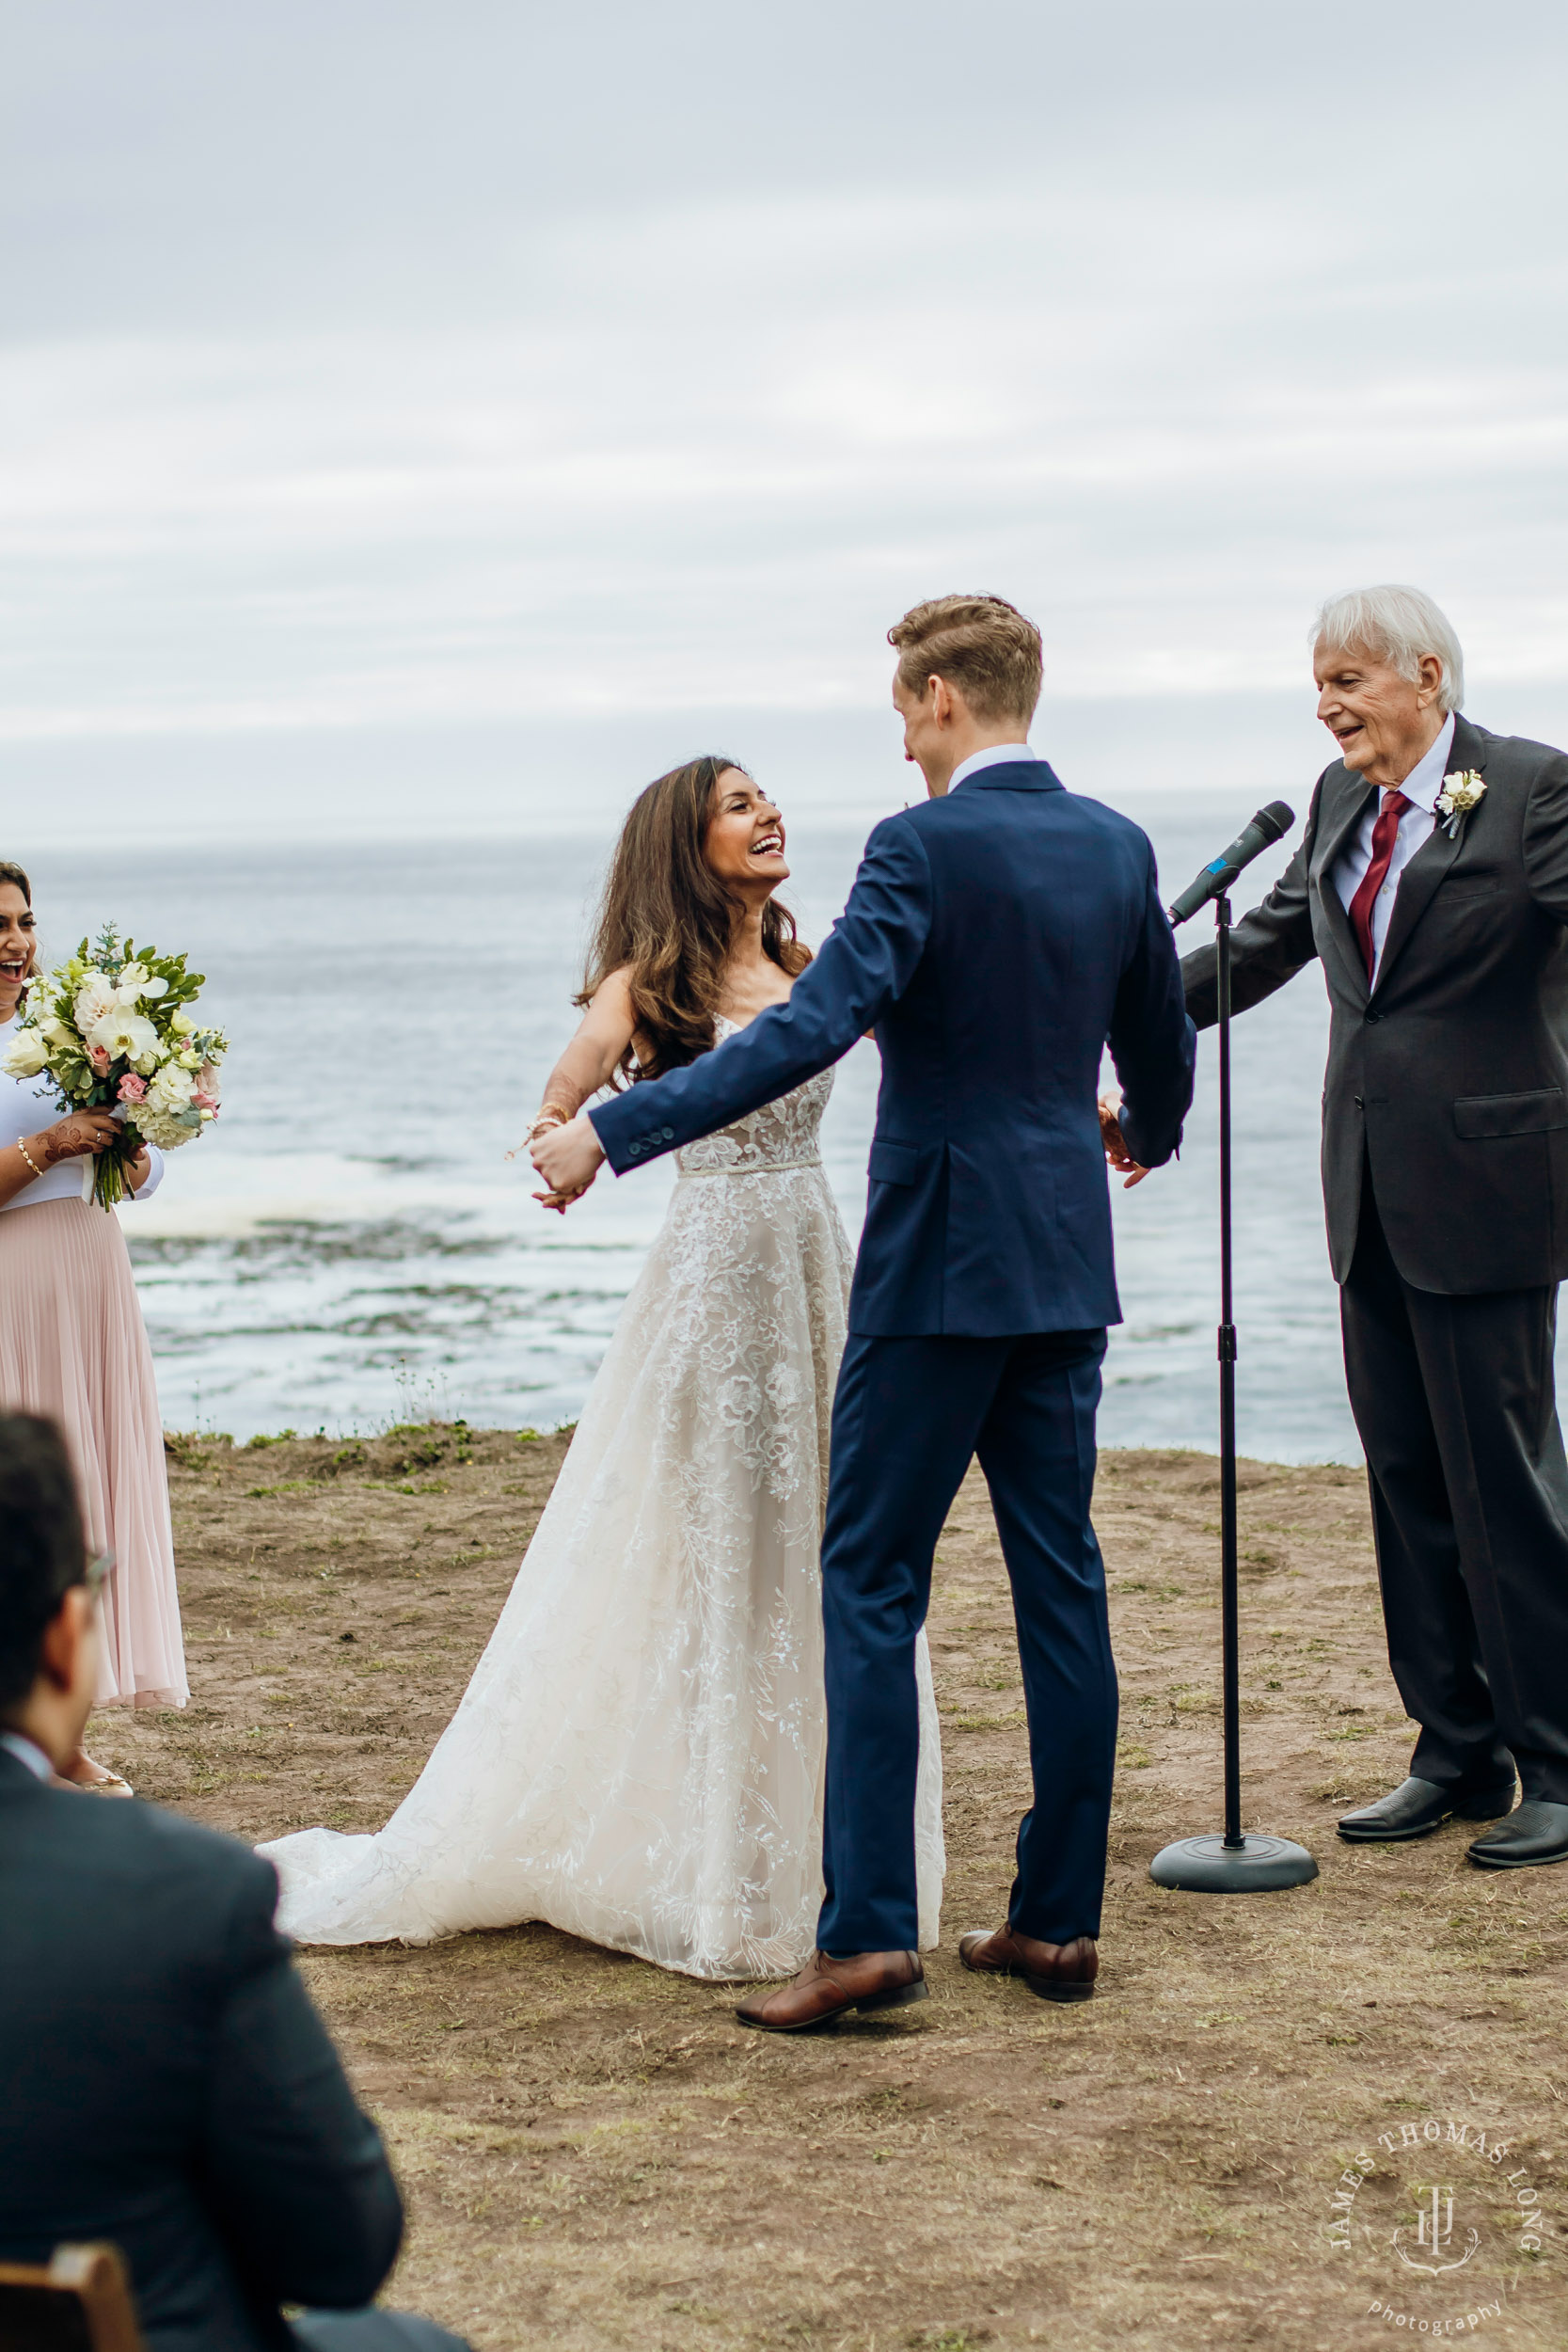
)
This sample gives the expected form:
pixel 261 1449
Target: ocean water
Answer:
pixel 350 1245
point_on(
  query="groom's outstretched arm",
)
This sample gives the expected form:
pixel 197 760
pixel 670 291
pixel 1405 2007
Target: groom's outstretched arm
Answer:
pixel 863 967
pixel 1152 1042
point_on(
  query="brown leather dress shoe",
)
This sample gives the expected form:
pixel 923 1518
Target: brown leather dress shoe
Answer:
pixel 826 1987
pixel 1058 1972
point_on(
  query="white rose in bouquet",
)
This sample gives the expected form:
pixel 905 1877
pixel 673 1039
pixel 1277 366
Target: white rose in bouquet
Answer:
pixel 28 1057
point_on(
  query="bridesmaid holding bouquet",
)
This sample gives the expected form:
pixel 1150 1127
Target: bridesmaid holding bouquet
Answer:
pixel 73 1345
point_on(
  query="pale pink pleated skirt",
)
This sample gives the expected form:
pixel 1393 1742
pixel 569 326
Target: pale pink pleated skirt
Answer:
pixel 72 1344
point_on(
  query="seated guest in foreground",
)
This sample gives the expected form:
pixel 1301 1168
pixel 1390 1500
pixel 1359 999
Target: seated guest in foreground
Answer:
pixel 168 2086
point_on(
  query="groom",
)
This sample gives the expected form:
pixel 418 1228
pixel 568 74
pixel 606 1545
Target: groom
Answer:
pixel 996 937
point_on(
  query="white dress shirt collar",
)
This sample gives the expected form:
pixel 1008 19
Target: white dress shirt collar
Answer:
pixel 27 1752
pixel 1425 780
pixel 992 756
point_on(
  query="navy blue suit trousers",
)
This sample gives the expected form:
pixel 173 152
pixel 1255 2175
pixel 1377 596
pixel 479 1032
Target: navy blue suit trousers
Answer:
pixel 910 1416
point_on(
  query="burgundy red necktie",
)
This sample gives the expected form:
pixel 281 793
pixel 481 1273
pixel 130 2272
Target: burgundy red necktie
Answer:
pixel 1385 832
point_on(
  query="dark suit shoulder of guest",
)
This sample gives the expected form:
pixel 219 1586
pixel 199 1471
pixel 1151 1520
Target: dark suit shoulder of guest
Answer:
pixel 996 939
pixel 168 2082
pixel 1449 1077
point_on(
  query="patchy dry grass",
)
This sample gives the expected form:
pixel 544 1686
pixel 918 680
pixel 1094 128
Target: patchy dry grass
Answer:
pixel 596 2155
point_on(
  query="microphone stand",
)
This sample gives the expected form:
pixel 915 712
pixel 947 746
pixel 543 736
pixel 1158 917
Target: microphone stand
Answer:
pixel 1232 1864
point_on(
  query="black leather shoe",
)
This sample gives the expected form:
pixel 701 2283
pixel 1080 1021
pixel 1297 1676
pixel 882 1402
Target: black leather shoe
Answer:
pixel 1538 1832
pixel 1417 1807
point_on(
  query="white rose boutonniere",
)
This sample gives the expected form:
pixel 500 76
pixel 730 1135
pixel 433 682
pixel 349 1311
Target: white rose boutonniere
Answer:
pixel 1460 793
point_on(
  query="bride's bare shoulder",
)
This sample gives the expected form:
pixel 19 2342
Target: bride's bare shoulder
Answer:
pixel 614 991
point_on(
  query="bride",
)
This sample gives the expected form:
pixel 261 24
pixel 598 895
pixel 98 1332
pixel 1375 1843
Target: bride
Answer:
pixel 639 1756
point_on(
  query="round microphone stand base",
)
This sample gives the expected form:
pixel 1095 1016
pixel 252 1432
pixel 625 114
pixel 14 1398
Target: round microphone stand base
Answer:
pixel 1207 1866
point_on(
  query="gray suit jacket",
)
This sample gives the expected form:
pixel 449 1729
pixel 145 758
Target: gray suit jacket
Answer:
pixel 1450 1077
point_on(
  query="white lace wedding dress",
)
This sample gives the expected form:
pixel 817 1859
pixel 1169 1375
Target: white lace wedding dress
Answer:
pixel 639 1758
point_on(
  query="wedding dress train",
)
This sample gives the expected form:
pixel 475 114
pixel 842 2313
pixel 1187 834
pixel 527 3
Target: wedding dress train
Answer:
pixel 639 1758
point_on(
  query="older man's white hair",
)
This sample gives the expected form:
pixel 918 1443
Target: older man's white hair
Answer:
pixel 1396 626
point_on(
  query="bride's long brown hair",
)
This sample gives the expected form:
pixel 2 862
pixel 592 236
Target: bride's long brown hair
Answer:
pixel 668 922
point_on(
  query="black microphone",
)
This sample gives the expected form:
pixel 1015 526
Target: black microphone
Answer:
pixel 1266 826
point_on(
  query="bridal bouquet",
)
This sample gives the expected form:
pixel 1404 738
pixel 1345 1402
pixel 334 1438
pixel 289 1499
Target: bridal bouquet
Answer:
pixel 112 1030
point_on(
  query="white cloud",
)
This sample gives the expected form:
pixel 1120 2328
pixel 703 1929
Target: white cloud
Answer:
pixel 674 403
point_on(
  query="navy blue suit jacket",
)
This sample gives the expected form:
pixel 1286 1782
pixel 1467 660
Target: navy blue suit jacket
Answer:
pixel 165 2082
pixel 996 939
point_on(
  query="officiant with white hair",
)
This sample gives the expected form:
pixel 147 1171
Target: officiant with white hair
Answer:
pixel 1432 885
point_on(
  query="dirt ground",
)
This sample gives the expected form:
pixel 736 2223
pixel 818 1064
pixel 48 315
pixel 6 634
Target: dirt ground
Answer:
pixel 595 2154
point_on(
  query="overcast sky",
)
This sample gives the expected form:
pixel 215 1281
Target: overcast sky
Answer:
pixel 450 414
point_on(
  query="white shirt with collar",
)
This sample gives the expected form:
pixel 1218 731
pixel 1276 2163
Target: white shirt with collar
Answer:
pixel 27 1752
pixel 994 756
pixel 1421 788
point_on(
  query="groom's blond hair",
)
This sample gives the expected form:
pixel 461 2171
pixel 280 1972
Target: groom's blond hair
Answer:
pixel 981 645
